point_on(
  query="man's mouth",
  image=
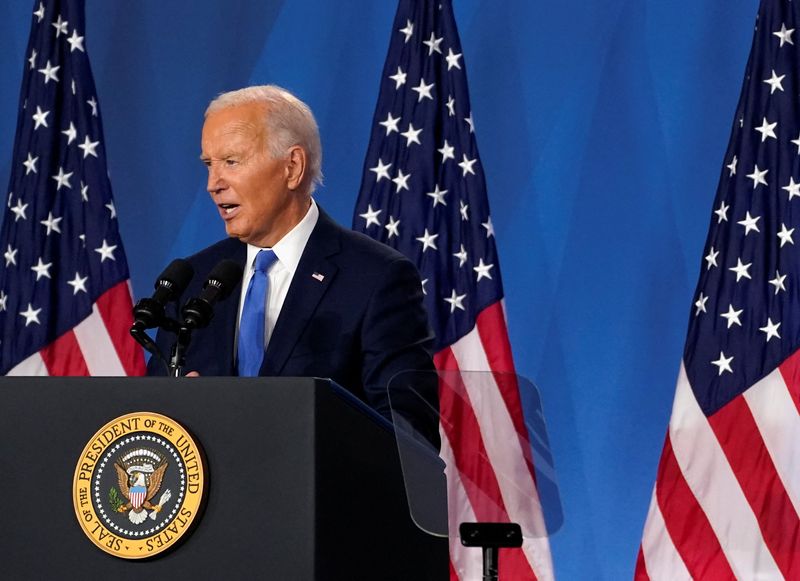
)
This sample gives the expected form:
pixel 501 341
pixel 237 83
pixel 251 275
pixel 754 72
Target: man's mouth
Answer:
pixel 228 209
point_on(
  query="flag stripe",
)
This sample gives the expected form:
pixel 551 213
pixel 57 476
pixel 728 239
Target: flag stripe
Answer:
pixel 741 442
pixel 33 365
pixel 64 356
pixel 98 349
pixel 658 558
pixel 115 307
pixel 790 371
pixel 689 530
pixel 640 573
pixel 701 461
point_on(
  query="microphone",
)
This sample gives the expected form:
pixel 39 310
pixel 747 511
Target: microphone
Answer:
pixel 149 312
pixel 199 311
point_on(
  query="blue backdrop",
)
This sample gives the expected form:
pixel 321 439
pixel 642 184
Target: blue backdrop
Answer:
pixel 602 126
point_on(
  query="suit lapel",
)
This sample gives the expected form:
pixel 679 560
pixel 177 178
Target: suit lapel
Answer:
pixel 311 280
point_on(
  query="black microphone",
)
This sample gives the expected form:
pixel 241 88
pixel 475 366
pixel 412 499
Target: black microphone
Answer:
pixel 199 311
pixel 149 312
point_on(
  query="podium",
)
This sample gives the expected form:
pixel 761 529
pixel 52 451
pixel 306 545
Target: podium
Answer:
pixel 303 482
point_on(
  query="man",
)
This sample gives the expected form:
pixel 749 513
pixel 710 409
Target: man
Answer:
pixel 337 303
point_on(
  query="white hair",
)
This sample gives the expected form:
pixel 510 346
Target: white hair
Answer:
pixel 289 122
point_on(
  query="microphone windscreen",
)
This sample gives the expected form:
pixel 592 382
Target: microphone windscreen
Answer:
pixel 226 274
pixel 179 274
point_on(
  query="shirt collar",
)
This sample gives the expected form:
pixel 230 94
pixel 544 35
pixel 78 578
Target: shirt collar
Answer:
pixel 290 248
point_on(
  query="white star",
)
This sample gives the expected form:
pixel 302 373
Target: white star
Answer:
pixel 32 59
pixel 30 164
pixel 75 42
pixel 482 270
pixel 31 315
pixel 11 256
pixel 428 240
pixel 711 258
pixel 466 165
pixel 78 284
pixel 112 209
pixel 700 304
pixel 424 282
pixel 62 179
pixel 464 208
pixel 785 235
pixel 19 210
pixel 392 227
pixel 792 188
pixel 732 316
pixel 451 109
pixel 88 146
pixel 399 78
pixel 82 238
pixel 39 14
pixel 489 227
pixel 41 269
pixel 750 223
pixel 423 90
pixel 390 123
pixel 51 223
pixel 381 170
pixel 774 82
pixel 433 44
pixel 71 133
pixel 470 122
pixel 106 251
pixel 60 26
pixel 722 212
pixel 411 135
pixel 84 192
pixel 93 104
pixel 408 30
pixel 723 363
pixel 401 181
pixel 741 269
pixel 461 255
pixel 371 216
pixel 777 282
pixel 758 177
pixel 456 301
pixel 732 166
pixel 438 196
pixel 40 117
pixel 452 59
pixel 447 151
pixel 3 301
pixel 797 143
pixel 784 35
pixel 771 329
pixel 767 130
pixel 49 73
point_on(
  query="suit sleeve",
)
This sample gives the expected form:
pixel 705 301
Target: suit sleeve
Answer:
pixel 397 338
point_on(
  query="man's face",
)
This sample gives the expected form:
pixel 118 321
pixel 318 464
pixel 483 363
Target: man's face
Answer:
pixel 249 188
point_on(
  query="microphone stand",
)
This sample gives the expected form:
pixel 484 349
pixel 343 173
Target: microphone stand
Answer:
pixel 177 358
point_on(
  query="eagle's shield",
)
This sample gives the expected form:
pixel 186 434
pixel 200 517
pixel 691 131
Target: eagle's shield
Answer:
pixel 138 494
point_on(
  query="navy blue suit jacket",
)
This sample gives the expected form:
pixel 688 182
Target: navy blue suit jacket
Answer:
pixel 360 325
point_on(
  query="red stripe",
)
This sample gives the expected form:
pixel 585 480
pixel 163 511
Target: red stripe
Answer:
pixel 64 356
pixel 790 370
pixel 686 523
pixel 115 306
pixel 641 569
pixel 462 430
pixel 737 432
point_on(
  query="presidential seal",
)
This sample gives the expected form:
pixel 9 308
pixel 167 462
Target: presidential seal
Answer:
pixel 139 485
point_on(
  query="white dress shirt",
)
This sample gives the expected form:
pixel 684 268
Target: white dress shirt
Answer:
pixel 288 251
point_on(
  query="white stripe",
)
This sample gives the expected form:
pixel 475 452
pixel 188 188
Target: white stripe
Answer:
pixel 98 349
pixel 710 478
pixel 502 444
pixel 661 558
pixel 776 415
pixel 33 365
pixel 467 561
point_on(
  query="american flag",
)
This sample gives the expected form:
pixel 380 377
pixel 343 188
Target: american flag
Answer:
pixel 65 301
pixel 423 192
pixel 727 492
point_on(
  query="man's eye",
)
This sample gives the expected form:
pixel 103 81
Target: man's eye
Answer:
pixel 230 161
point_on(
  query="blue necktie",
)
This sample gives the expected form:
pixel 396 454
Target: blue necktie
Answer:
pixel 251 325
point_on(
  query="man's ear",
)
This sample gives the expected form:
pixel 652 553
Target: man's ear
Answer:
pixel 295 167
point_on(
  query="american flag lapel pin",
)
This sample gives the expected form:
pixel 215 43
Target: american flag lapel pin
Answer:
pixel 318 277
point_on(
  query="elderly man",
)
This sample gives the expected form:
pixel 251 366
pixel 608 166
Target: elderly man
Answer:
pixel 316 299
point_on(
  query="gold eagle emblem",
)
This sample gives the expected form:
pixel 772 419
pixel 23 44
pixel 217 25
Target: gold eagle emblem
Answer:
pixel 139 474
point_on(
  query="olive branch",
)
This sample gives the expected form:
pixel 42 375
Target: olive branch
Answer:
pixel 113 499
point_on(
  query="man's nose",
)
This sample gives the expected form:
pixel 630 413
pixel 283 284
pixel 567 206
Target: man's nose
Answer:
pixel 216 182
